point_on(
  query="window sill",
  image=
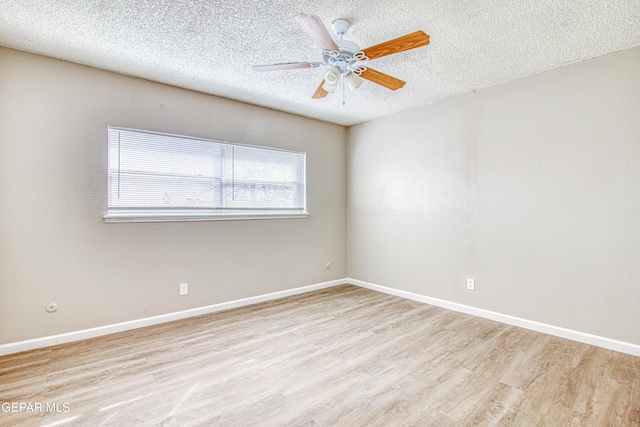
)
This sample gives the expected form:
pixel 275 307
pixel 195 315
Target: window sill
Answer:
pixel 164 216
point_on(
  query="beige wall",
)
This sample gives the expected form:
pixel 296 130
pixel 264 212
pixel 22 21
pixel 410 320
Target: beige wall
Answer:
pixel 55 247
pixel 531 187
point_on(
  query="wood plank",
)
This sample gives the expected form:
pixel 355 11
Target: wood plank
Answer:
pixel 340 356
pixel 400 44
pixel 382 79
pixel 320 92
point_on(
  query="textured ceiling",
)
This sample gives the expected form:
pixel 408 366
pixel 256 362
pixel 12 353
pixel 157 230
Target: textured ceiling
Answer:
pixel 210 46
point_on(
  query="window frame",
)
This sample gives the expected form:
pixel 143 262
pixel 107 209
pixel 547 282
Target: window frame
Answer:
pixel 169 214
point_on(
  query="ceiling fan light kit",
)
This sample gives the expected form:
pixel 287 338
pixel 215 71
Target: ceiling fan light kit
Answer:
pixel 332 75
pixel 331 78
pixel 345 58
pixel 353 81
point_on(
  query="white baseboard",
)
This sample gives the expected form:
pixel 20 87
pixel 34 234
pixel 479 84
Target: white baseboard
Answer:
pixel 611 344
pixel 148 321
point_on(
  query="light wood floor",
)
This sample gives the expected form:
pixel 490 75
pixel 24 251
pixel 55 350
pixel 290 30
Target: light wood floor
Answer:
pixel 344 356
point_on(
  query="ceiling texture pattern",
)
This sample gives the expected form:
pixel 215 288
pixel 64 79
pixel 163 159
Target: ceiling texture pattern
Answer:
pixel 210 45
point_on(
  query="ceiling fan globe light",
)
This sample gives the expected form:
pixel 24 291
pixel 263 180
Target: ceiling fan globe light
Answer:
pixel 332 75
pixel 331 88
pixel 353 80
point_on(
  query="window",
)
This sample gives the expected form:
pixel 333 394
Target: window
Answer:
pixel 160 177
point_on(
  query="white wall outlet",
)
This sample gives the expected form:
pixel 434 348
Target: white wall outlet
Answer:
pixel 51 307
pixel 471 284
pixel 184 288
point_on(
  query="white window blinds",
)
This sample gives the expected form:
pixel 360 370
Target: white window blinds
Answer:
pixel 159 175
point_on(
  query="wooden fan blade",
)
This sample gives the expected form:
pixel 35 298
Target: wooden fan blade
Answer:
pixel 283 66
pixel 318 32
pixel 410 41
pixel 382 79
pixel 320 92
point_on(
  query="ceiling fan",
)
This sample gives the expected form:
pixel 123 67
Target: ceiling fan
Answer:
pixel 345 59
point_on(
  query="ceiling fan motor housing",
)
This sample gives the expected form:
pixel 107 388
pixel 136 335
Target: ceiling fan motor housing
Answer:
pixel 344 58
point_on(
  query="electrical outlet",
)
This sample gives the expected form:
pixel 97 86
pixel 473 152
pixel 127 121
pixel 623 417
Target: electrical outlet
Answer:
pixel 471 284
pixel 184 288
